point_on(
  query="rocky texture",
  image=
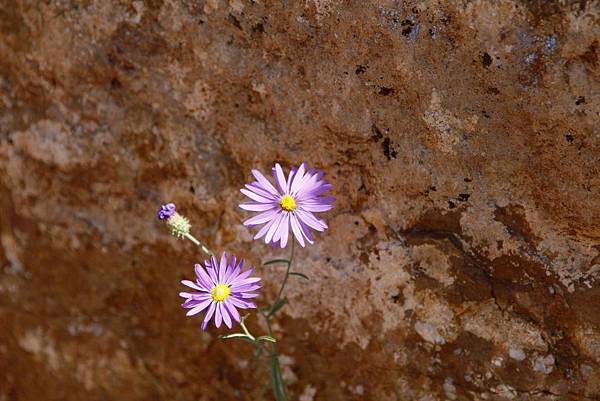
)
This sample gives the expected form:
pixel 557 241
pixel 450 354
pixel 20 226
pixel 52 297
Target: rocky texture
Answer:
pixel 463 139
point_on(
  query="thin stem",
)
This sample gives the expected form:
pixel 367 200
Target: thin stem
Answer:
pixel 246 329
pixel 199 243
pixel 281 390
pixel 287 273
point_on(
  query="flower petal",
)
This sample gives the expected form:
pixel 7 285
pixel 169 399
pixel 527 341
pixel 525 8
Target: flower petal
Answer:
pixel 241 283
pixel 218 315
pixel 296 230
pixel 315 207
pixel 284 230
pixel 273 228
pixel 265 228
pixel 280 229
pixel 279 178
pixel 257 207
pixel 193 285
pixel 256 197
pixel 291 176
pixel 222 267
pixel 199 308
pixel 241 304
pixel 246 287
pixel 298 177
pixel 240 277
pixel 310 220
pixel 306 232
pixel 204 278
pixel 262 218
pixel 258 189
pixel 225 314
pixel 230 269
pixel 264 183
pixel 209 313
pixel 232 310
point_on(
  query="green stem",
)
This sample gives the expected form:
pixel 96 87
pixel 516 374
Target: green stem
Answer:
pixel 199 243
pixel 279 388
pixel 287 273
pixel 246 329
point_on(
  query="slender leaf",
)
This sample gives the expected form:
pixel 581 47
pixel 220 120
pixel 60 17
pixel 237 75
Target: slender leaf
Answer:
pixel 241 336
pixel 304 276
pixel 276 261
pixel 276 378
pixel 276 306
pixel 266 338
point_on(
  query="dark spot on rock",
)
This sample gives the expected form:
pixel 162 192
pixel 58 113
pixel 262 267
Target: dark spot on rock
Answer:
pixel 398 298
pixel 115 83
pixel 434 224
pixel 356 223
pixel 235 22
pixel 513 217
pixel 328 259
pixel 467 179
pixel 360 69
pixel 463 197
pixel 259 27
pixel 580 100
pixel 408 26
pixel 492 91
pixel 385 91
pixel 570 138
pixel 192 190
pixel 486 59
pixel 364 258
pixel 433 188
pixel 388 151
pixel 376 134
pixel 591 54
pixel 451 205
pixel 485 114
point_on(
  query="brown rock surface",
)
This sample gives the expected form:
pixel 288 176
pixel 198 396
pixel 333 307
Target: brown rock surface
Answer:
pixel 463 140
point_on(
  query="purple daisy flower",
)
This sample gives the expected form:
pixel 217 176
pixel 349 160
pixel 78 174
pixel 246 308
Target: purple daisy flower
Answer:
pixel 290 205
pixel 222 288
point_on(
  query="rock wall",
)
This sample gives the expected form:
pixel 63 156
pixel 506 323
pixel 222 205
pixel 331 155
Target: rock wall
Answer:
pixel 463 141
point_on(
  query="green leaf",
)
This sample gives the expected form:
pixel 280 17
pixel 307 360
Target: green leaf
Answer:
pixel 304 276
pixel 276 261
pixel 241 336
pixel 276 378
pixel 276 306
pixel 266 338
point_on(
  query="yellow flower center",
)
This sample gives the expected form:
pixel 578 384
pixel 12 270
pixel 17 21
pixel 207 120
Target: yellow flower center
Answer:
pixel 287 203
pixel 220 292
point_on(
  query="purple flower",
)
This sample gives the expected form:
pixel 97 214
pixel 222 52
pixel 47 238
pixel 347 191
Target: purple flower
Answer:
pixel 166 211
pixel 290 205
pixel 222 288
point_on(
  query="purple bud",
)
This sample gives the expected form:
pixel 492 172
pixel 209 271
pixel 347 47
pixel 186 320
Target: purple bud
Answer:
pixel 166 211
